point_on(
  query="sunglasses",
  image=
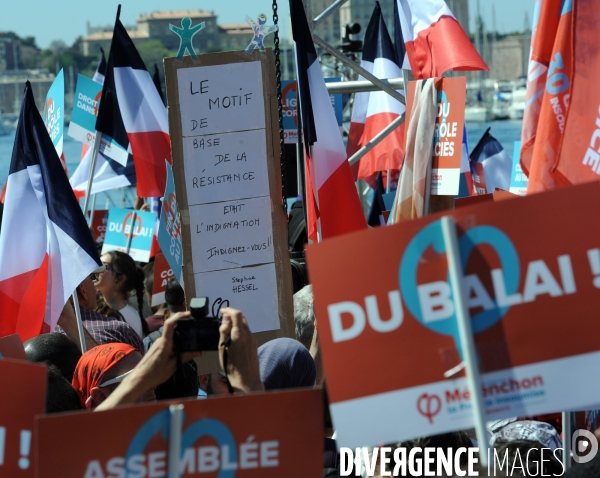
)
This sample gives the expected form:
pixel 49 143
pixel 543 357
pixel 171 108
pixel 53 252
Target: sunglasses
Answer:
pixel 112 381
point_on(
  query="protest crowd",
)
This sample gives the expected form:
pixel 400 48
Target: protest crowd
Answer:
pixel 448 263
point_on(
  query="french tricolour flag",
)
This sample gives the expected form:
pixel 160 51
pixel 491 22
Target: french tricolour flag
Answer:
pixel 109 173
pixel 332 198
pixel 46 248
pixel 373 111
pixel 434 40
pixel 497 165
pixel 128 87
pixel 100 72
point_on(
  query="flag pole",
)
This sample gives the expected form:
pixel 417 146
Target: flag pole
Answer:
pixel 131 228
pixel 316 191
pixel 467 342
pixel 299 158
pixel 92 208
pixel 79 322
pixel 566 432
pixel 176 416
pixel 387 186
pixel 88 190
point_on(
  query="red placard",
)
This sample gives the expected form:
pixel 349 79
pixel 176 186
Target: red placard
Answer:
pixel 99 224
pixel 472 200
pixel 478 175
pixel 532 273
pixel 448 134
pixel 258 435
pixel 12 347
pixel 162 274
pixel 23 396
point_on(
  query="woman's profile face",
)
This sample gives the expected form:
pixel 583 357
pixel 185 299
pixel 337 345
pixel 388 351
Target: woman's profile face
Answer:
pixel 107 281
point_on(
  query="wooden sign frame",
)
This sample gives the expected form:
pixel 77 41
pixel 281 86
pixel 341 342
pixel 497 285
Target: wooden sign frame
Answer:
pixel 209 362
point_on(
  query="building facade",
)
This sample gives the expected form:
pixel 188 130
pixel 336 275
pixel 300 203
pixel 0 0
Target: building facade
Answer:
pixel 12 83
pixel 10 54
pixel 155 26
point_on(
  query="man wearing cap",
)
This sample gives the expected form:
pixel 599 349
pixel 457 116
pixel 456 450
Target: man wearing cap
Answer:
pixel 99 329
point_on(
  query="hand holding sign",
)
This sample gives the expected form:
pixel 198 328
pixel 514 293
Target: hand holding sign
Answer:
pixel 239 344
pixel 156 367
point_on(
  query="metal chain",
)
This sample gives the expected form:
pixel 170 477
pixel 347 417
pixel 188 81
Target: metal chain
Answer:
pixel 279 104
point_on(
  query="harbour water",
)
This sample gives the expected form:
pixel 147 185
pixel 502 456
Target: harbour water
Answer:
pixel 507 132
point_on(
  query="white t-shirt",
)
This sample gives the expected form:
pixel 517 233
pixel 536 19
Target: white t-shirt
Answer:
pixel 132 317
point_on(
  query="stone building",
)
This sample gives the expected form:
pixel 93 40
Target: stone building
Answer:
pixel 13 82
pixel 155 26
pixel 10 54
pixel 509 57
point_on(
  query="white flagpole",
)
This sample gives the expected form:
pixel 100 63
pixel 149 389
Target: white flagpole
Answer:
pixel 79 322
pixel 387 186
pixel 88 190
pixel 175 428
pixel 467 341
pixel 92 209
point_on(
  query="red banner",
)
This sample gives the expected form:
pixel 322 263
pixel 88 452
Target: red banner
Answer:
pixel 259 435
pixel 12 347
pixel 448 134
pixel 99 221
pixel 162 274
pixel 23 396
pixel 393 324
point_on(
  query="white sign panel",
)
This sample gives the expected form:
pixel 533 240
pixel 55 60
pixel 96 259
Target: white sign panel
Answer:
pixel 231 234
pixel 221 98
pixel 252 290
pixel 226 166
pixel 224 133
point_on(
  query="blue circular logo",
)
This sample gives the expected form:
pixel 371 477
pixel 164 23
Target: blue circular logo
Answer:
pixel 431 236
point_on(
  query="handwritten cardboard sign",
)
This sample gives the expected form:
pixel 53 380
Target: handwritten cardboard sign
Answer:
pixel 520 287
pixel 126 226
pixel 448 134
pixel 23 396
pixel 244 436
pixel 222 115
pixel 232 234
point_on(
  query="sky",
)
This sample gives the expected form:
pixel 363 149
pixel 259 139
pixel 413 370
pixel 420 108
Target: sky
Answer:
pixel 67 19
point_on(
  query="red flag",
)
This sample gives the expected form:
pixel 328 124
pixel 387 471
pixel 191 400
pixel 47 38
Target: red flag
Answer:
pixel 434 40
pixel 46 249
pixel 554 110
pixel 129 87
pixel 373 111
pixel 546 17
pixel 332 196
pixel 579 159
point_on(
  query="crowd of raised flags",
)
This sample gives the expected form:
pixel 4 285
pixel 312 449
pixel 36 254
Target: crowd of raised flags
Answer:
pixel 45 246
pixel 132 123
